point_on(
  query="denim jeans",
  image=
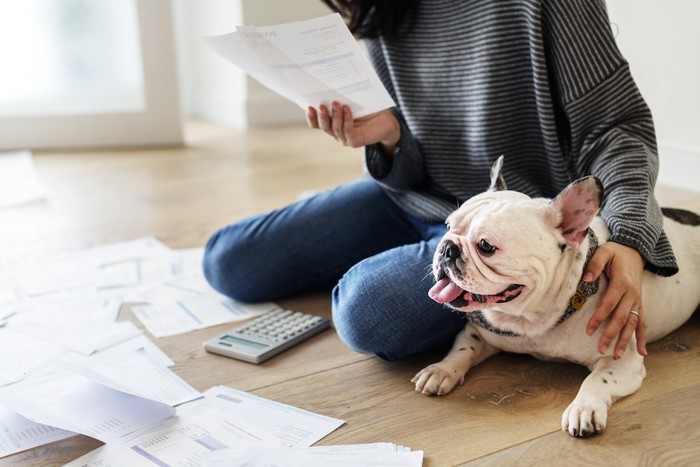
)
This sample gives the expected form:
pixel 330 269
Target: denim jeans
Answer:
pixel 353 237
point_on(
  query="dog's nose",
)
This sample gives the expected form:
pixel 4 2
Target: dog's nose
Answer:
pixel 450 251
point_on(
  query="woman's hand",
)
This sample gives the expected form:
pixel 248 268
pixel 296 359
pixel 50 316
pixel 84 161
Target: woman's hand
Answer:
pixel 381 127
pixel 622 301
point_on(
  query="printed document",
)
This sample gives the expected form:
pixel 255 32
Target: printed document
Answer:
pixel 311 62
pixel 225 418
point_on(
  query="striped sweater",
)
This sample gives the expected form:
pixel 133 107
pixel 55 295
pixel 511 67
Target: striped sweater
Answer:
pixel 541 82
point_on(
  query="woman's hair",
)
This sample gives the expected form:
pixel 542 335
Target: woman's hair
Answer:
pixel 374 18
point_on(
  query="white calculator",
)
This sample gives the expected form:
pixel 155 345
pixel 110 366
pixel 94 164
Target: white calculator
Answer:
pixel 267 335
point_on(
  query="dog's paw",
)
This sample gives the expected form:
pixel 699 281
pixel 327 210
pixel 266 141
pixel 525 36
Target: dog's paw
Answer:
pixel 583 418
pixel 437 380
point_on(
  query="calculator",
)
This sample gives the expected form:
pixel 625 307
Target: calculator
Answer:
pixel 267 335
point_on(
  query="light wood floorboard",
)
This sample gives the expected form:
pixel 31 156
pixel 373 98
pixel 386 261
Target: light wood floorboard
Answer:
pixel 506 413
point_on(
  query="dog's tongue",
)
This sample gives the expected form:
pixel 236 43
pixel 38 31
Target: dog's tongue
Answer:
pixel 444 291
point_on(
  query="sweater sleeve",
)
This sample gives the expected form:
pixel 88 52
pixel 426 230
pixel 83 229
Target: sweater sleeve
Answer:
pixel 404 169
pixel 609 125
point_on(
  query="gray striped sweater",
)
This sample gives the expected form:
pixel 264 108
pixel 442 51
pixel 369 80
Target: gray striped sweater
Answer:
pixel 541 82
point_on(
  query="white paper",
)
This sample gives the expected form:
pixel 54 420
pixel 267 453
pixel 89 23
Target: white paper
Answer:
pixel 70 401
pixel 19 434
pixel 84 327
pixel 18 181
pixel 225 418
pixel 116 268
pixel 313 457
pixel 134 372
pixel 311 62
pixel 183 441
pixel 175 310
pixel 27 354
pixel 293 426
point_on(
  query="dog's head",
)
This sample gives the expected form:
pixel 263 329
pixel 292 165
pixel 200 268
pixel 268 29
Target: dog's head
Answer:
pixel 504 250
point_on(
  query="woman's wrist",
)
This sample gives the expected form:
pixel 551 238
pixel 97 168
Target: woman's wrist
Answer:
pixel 390 143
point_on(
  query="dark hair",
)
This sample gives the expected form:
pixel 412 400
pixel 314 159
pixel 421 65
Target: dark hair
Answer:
pixel 374 18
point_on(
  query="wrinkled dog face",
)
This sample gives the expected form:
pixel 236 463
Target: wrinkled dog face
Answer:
pixel 504 249
pixel 492 252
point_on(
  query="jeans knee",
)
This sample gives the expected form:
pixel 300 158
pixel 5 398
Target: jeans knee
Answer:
pixel 225 266
pixel 356 324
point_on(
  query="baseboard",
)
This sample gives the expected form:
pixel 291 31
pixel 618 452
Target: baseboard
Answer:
pixel 679 167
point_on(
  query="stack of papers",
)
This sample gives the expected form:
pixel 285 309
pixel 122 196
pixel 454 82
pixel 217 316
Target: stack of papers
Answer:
pixel 75 368
pixel 376 455
pixel 310 62
pixel 229 427
pixel 223 418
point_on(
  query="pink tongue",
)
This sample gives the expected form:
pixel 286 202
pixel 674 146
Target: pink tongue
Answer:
pixel 444 291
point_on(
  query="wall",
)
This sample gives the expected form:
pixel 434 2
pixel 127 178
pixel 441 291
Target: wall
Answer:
pixel 216 90
pixel 661 41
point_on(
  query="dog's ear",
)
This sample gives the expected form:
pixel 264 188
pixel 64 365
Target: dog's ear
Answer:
pixel 575 207
pixel 498 183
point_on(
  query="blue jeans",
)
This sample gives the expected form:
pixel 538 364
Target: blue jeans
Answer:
pixel 354 237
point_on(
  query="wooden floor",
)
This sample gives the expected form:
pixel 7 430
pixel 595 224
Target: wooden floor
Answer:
pixel 506 413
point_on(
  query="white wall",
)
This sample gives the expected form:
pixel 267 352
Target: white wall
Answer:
pixel 210 88
pixel 661 41
pixel 216 90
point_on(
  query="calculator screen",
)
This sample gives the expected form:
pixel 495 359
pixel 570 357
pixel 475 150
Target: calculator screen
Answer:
pixel 237 340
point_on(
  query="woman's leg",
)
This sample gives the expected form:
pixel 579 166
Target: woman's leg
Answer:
pixel 381 305
pixel 305 245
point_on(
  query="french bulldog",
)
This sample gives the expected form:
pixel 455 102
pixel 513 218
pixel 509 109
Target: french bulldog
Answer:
pixel 514 264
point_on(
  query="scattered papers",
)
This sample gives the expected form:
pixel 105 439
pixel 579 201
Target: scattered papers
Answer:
pixel 19 433
pixel 197 313
pixel 291 425
pixel 224 418
pixel 18 181
pixel 27 353
pixel 134 372
pixel 67 400
pixel 376 455
pixel 189 303
pixel 84 327
pixel 75 370
pixel 310 62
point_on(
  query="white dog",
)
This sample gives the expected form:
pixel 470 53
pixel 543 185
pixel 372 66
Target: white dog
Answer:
pixel 514 265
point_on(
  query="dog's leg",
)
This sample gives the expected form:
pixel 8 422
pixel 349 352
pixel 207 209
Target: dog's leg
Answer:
pixel 609 380
pixel 469 349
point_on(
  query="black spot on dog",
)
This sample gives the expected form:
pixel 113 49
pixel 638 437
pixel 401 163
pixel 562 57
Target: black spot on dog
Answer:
pixel 472 347
pixel 682 216
pixel 605 381
pixel 476 337
pixel 462 348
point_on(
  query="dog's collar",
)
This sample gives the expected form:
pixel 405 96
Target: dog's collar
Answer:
pixel 583 291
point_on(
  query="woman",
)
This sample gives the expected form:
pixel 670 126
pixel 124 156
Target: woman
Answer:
pixel 538 81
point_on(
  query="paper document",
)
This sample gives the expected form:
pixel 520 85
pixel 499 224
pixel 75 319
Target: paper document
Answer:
pixel 311 62
pixel 188 303
pixel 135 372
pixel 66 400
pixel 375 455
pixel 293 426
pixel 18 433
pixel 224 418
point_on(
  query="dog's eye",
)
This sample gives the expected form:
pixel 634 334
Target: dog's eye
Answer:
pixel 485 248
